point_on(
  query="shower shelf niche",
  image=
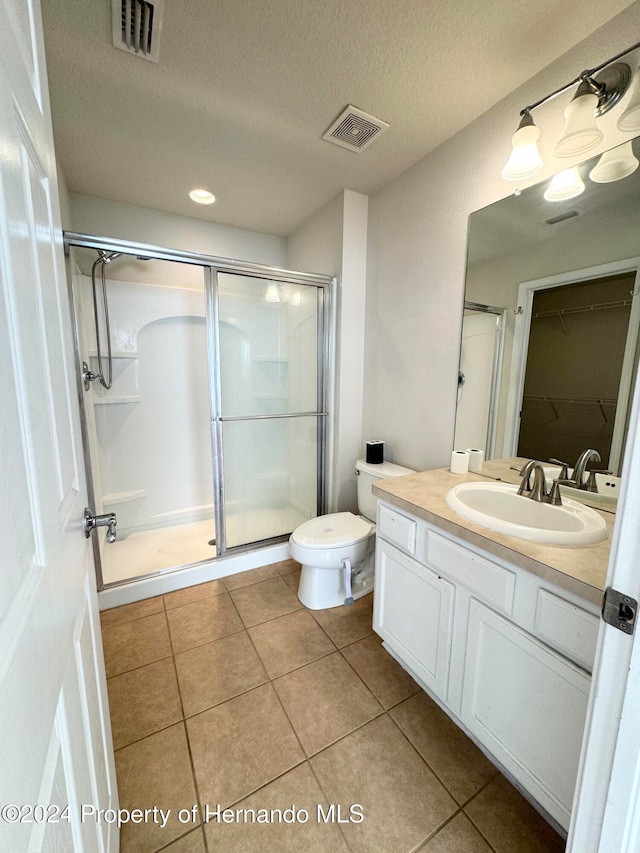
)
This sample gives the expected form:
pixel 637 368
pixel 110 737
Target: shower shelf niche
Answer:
pixel 112 401
pixel 124 497
pixel 120 354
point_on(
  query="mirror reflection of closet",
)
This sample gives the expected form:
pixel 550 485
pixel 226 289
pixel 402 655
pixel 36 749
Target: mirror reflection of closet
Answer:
pixel 574 365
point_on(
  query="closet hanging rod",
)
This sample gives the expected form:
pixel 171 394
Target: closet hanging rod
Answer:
pixel 595 401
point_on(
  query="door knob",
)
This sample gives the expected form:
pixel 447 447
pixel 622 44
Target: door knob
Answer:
pixel 107 520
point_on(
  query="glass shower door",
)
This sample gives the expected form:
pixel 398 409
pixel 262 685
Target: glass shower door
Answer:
pixel 148 436
pixel 271 413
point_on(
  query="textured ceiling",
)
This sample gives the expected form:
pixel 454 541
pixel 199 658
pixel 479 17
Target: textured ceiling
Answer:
pixel 244 90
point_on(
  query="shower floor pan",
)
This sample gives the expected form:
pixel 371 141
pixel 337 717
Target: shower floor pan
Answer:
pixel 149 551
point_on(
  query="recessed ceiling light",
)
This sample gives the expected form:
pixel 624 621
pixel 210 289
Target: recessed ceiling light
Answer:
pixel 202 196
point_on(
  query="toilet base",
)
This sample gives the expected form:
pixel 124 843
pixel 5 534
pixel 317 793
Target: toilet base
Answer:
pixel 321 588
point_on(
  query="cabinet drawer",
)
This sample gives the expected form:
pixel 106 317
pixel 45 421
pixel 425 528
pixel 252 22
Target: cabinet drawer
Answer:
pixel 566 626
pixel 488 580
pixel 397 528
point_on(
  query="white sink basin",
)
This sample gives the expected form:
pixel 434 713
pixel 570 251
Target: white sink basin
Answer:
pixel 500 507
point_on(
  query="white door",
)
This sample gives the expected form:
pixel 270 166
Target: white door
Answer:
pixel 55 739
pixel 606 811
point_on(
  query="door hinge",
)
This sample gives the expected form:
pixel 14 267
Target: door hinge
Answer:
pixel 619 610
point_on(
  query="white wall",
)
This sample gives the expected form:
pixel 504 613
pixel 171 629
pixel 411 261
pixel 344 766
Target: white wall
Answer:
pixel 103 218
pixel 63 200
pixel 334 241
pixel 417 248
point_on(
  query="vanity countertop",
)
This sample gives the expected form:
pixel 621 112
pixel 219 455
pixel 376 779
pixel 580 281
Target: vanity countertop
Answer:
pixel 581 571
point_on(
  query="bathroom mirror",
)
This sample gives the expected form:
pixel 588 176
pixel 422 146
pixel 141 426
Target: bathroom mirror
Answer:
pixel 549 349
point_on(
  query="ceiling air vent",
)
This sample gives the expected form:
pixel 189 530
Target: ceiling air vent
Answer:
pixel 355 130
pixel 136 26
pixel 569 214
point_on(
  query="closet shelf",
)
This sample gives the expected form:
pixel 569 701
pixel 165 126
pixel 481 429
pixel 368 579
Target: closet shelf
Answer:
pixel 596 401
pixel 582 309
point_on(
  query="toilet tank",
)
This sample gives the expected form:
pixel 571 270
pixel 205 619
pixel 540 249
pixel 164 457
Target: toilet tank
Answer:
pixel 366 475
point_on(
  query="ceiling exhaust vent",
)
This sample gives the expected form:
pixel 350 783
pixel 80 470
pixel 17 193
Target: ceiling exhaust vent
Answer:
pixel 569 214
pixel 136 26
pixel 355 130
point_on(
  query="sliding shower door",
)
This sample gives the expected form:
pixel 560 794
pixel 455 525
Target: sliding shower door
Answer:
pixel 271 405
pixel 207 434
pixel 148 435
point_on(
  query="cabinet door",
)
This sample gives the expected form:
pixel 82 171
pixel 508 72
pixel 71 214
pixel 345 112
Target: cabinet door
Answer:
pixel 527 705
pixel 413 610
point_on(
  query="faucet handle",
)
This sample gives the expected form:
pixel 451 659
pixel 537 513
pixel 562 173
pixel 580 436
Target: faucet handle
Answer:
pixel 592 485
pixel 564 473
pixel 555 497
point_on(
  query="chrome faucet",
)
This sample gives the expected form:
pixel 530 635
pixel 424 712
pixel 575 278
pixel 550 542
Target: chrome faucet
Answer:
pixel 581 466
pixel 537 492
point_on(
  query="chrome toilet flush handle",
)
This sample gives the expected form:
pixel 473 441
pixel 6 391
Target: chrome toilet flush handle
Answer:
pixel 108 520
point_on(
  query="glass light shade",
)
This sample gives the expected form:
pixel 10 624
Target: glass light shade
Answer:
pixel 525 160
pixel 630 118
pixel 581 132
pixel 273 293
pixel 565 185
pixel 615 164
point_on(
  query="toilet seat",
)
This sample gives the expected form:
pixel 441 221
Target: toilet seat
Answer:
pixel 332 531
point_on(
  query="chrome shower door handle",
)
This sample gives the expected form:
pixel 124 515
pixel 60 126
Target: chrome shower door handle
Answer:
pixel 107 520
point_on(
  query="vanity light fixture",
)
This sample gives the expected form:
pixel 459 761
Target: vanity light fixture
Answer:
pixel 565 185
pixel 630 118
pixel 581 132
pixel 599 89
pixel 202 196
pixel 615 164
pixel 525 160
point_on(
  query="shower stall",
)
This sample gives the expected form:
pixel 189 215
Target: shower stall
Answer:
pixel 204 399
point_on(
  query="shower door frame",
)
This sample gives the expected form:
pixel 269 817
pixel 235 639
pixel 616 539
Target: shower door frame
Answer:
pixel 211 266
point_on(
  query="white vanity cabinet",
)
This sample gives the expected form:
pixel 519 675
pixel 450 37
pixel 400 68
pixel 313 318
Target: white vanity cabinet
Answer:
pixel 504 652
pixel 414 614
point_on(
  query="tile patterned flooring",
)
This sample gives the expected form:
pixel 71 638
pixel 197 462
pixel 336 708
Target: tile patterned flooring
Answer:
pixel 232 693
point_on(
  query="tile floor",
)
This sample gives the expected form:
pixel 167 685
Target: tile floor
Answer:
pixel 232 693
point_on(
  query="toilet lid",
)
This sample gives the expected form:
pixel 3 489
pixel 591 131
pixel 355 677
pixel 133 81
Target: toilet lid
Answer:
pixel 338 528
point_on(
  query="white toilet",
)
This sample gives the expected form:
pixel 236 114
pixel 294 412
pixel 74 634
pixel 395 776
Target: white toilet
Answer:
pixel 337 550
